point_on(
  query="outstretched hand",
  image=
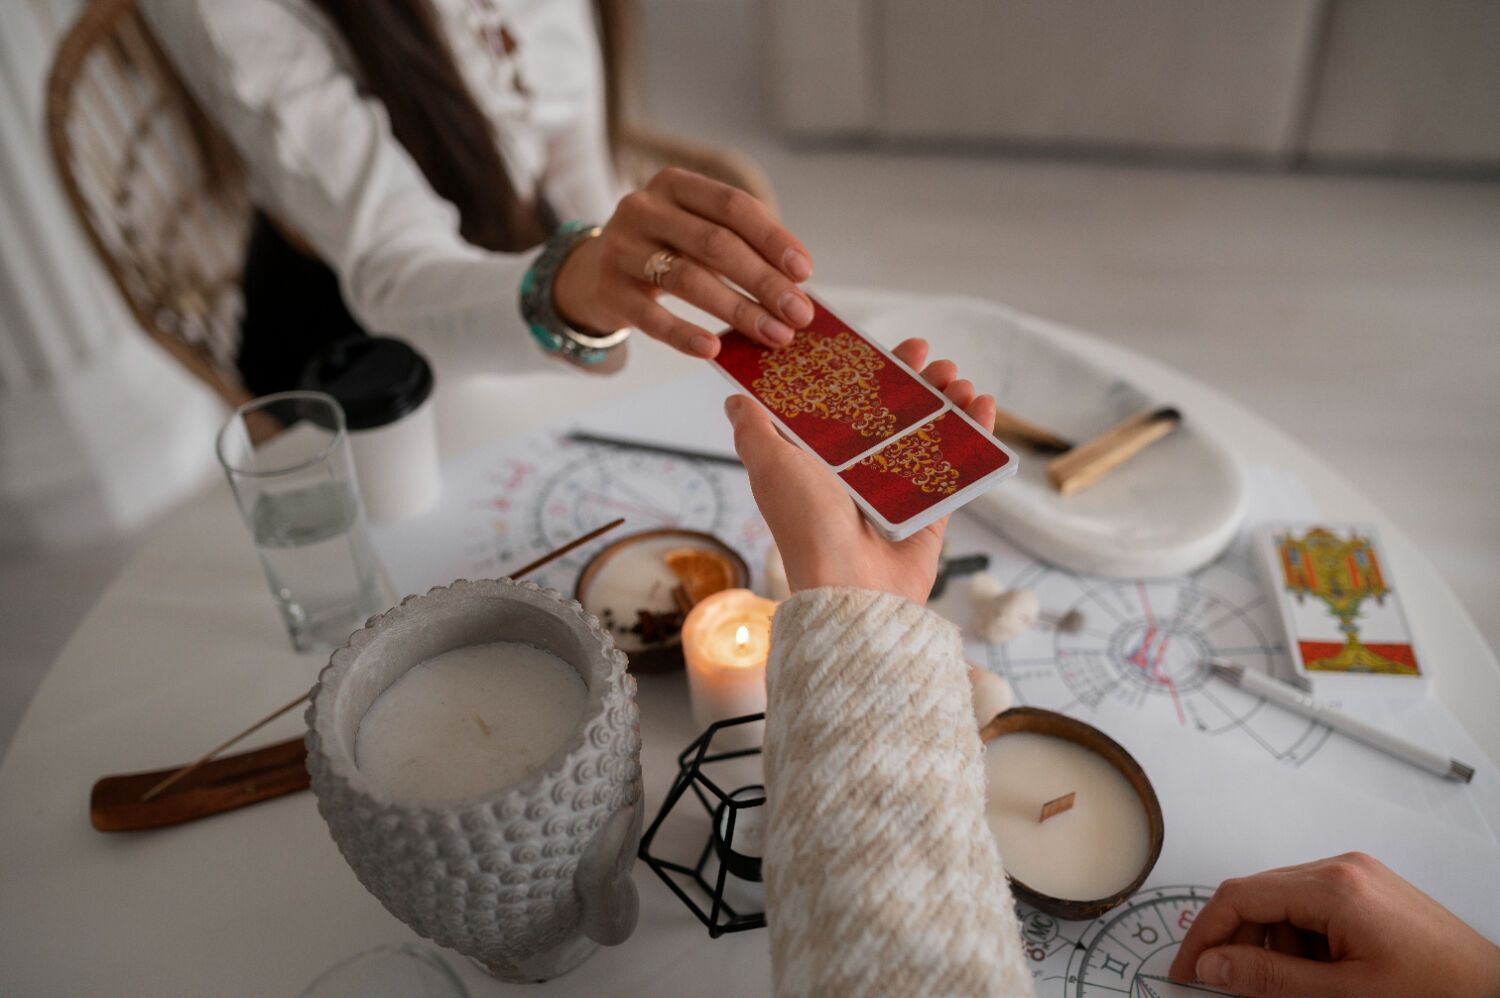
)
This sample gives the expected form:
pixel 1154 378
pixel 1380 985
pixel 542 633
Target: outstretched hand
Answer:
pixel 1341 926
pixel 823 538
pixel 718 234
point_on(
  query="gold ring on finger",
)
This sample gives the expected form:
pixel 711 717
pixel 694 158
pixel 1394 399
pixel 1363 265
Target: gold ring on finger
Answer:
pixel 659 265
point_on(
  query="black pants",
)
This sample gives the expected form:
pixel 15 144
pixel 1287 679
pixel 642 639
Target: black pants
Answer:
pixel 293 308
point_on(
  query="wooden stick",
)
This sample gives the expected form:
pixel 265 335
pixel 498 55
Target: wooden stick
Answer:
pixel 1087 463
pixel 1009 426
pixel 576 542
pixel 208 756
pixel 1057 806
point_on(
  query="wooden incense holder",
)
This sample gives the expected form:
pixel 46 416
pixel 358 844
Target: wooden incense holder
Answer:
pixel 1012 428
pixel 224 784
pixel 1055 725
pixel 1087 463
pixel 666 655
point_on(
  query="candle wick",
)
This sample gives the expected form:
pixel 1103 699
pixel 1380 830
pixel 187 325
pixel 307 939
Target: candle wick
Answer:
pixel 1057 806
pixel 482 726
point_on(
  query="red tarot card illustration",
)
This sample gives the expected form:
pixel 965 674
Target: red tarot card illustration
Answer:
pixel 833 388
pixel 920 470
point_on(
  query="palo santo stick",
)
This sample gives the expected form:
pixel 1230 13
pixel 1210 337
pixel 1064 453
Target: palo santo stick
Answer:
pixel 1057 806
pixel 1087 463
pixel 1009 426
pixel 521 572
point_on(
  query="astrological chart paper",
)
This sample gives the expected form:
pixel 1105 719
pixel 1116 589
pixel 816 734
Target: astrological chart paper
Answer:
pixel 1243 784
pixel 1229 813
pixel 1136 662
pixel 505 505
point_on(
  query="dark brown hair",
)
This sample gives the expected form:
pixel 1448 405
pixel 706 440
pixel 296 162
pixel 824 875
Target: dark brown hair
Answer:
pixel 407 64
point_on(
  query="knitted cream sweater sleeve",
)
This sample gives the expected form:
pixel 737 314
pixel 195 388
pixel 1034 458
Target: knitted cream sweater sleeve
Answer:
pixel 882 877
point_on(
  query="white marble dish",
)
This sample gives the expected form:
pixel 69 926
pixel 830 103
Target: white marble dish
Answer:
pixel 1170 510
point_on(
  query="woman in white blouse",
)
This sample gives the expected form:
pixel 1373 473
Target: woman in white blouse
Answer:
pixel 418 164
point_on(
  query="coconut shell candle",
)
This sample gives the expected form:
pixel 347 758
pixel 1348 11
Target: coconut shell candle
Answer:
pixel 643 585
pixel 1076 820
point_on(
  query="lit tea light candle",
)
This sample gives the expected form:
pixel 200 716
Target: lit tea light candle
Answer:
pixel 468 722
pixel 725 641
pixel 1068 822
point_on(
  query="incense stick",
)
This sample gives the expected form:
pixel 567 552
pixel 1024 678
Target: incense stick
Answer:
pixel 576 542
pixel 208 756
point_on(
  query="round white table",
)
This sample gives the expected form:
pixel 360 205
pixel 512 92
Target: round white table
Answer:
pixel 185 647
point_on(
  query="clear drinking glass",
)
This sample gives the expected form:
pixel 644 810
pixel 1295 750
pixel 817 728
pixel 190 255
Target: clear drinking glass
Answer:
pixel 288 461
pixel 404 971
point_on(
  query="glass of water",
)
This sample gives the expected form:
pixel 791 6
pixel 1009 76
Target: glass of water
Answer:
pixel 402 971
pixel 288 461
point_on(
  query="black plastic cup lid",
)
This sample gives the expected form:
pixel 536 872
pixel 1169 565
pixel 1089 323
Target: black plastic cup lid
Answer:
pixel 377 379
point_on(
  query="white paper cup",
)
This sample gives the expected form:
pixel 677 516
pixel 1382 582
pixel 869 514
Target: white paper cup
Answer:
pixel 397 465
pixel 385 388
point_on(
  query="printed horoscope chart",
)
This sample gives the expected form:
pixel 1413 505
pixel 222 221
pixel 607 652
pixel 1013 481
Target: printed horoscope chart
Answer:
pixel 1127 951
pixel 1142 647
pixel 503 505
pixel 1136 664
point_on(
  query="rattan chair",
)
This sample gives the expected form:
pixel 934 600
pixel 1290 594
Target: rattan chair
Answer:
pixel 162 194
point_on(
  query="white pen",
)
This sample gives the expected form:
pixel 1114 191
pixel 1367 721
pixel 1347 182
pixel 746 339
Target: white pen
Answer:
pixel 1293 699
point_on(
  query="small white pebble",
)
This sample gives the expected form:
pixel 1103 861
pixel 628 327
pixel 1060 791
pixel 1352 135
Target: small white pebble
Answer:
pixel 1007 616
pixel 984 586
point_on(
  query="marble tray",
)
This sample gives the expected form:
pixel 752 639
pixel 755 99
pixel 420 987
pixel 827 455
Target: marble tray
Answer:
pixel 1170 510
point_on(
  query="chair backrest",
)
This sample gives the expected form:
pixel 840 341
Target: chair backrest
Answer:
pixel 160 193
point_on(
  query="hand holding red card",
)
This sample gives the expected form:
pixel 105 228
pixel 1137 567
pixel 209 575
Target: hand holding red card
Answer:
pixel 904 452
pixel 840 394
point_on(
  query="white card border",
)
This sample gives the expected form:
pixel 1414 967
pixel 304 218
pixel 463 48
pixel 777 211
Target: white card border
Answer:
pixel 902 529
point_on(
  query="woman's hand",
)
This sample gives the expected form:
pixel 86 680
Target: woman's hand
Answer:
pixel 1341 926
pixel 823 538
pixel 717 232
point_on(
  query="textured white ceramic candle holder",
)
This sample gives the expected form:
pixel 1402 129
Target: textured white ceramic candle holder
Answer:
pixel 529 879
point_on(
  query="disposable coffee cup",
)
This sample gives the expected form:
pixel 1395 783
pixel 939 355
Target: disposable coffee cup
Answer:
pixel 385 389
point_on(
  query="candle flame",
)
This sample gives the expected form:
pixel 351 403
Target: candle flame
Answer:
pixel 742 636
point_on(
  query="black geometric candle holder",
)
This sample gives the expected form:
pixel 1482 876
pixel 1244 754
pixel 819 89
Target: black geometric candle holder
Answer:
pixel 740 810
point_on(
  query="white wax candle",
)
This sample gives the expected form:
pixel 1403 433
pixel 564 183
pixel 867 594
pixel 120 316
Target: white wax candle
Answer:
pixel 468 721
pixel 725 641
pixel 634 578
pixel 1089 852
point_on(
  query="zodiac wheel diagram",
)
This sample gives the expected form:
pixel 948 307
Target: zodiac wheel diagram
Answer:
pixel 1129 951
pixel 648 490
pixel 1143 646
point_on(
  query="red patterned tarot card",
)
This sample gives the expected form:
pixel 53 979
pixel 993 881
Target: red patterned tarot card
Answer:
pixel 913 474
pixel 841 394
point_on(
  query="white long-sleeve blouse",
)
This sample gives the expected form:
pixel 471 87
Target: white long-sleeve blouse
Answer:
pixel 276 77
